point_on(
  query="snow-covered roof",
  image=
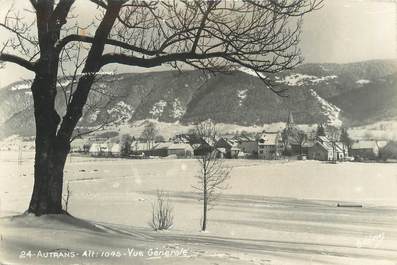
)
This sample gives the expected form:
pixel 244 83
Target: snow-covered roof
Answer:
pixel 269 138
pixel 243 138
pixel 323 139
pixel 165 145
pixel 325 145
pixel 181 146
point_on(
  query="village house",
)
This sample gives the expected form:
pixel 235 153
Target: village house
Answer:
pixel 200 145
pixel 325 150
pixel 306 145
pixel 322 151
pixel 367 150
pixel 247 145
pixel 269 145
pixel 105 149
pixel 95 149
pixel 138 148
pixel 180 150
pixel 227 147
pixel 160 150
pixel 389 151
pixel 115 150
pixel 79 146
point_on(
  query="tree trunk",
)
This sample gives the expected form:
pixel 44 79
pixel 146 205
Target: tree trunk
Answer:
pixel 51 151
pixel 205 206
pixel 48 178
pixel 53 144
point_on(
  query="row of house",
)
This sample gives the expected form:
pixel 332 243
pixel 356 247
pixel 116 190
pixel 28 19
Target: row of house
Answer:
pixel 183 145
pixel 141 149
pixel 268 145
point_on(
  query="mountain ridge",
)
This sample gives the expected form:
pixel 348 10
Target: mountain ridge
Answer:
pixel 350 94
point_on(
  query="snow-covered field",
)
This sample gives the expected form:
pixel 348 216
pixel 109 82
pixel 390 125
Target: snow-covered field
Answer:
pixel 275 212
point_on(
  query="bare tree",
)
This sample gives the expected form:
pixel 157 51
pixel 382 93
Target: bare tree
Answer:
pixel 125 144
pixel 333 134
pixel 149 134
pixel 300 137
pixel 346 140
pixel 213 173
pixel 262 36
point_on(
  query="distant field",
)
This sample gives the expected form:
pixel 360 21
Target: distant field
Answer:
pixel 368 183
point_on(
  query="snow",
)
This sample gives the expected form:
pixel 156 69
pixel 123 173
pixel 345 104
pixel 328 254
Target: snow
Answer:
pixel 380 130
pixel 241 94
pixel 122 110
pixel 94 116
pixel 21 86
pixel 329 110
pixel 302 79
pixel 178 109
pixel 323 78
pixel 248 71
pixel 16 143
pixel 363 81
pixel 268 216
pixel 158 109
pixel 102 85
pixel 296 79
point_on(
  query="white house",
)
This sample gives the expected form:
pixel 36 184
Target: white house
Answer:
pixel 269 145
pixel 95 149
pixel 115 150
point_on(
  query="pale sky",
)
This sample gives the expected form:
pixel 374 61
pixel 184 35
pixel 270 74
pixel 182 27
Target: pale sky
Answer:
pixel 342 31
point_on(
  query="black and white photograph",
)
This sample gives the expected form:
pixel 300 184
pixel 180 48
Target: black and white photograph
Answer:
pixel 198 132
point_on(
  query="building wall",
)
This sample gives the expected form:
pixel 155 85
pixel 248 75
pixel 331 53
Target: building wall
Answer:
pixel 316 152
pixel 248 147
pixel 366 153
pixel 180 152
pixel 267 152
pixel 162 152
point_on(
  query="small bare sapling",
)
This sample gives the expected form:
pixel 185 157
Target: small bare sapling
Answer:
pixel 162 213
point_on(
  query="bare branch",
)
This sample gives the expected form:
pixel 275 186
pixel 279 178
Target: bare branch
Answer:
pixel 87 39
pixel 5 57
